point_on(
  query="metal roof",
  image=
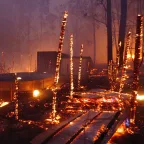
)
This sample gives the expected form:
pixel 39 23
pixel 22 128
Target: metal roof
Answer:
pixel 26 76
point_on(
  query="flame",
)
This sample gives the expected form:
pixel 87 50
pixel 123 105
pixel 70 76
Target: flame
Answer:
pixel 140 97
pixel 36 93
pixel 2 104
pixel 120 130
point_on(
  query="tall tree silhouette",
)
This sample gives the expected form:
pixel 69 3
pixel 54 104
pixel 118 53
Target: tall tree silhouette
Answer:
pixel 122 29
pixel 109 31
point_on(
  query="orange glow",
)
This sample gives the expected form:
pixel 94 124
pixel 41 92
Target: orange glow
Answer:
pixel 140 97
pixel 133 56
pixel 120 130
pixel 130 56
pixel 71 123
pixel 2 104
pixel 36 93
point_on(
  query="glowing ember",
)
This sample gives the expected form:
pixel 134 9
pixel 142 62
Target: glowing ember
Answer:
pixel 71 123
pixel 29 122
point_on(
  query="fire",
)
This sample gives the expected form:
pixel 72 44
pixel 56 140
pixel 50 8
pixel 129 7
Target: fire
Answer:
pixel 120 130
pixel 129 56
pixel 80 66
pixel 36 93
pixel 140 97
pixel 2 104
pixel 71 67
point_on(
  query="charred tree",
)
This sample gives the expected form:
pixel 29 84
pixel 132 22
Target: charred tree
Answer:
pixel 122 30
pixel 137 63
pixel 109 31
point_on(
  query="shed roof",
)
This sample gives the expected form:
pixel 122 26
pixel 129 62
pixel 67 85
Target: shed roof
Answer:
pixel 26 76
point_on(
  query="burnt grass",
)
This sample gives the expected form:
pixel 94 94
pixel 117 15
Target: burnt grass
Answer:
pixel 14 132
pixel 32 109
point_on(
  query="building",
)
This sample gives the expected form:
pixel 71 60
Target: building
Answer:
pixel 28 83
pixel 86 66
pixel 46 62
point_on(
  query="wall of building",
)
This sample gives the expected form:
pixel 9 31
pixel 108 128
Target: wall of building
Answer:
pixel 46 61
pixel 7 88
pixel 65 67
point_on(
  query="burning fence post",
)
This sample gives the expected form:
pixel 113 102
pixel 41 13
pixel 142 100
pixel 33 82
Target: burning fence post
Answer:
pixel 137 61
pixel 56 79
pixel 80 66
pixel 71 67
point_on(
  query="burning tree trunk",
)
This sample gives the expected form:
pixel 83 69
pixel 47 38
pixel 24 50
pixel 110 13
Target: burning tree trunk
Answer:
pixel 61 40
pixel 112 75
pixel 122 29
pixel 137 61
pixel 80 66
pixel 71 67
pixel 123 77
pixel 16 112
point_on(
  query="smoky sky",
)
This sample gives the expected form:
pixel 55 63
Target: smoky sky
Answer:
pixel 28 26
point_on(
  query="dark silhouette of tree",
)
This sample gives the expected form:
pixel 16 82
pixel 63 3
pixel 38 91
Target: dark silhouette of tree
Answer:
pixel 109 31
pixel 122 29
